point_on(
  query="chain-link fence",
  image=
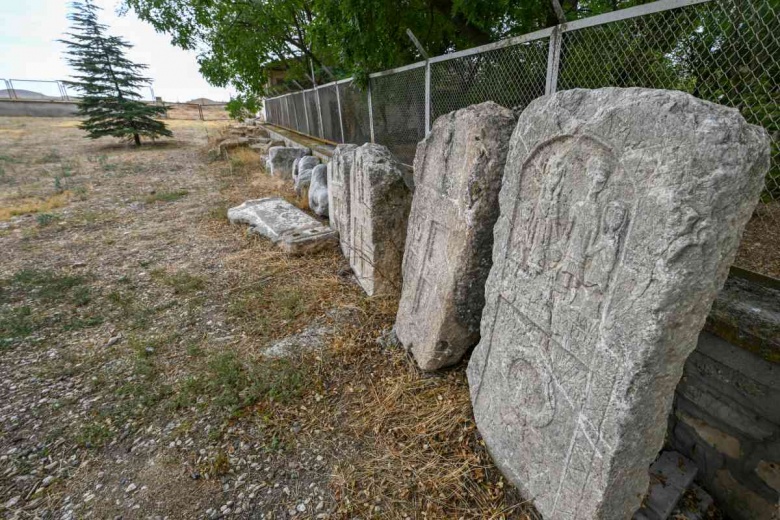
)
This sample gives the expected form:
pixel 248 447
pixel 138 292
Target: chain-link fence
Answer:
pixel 725 51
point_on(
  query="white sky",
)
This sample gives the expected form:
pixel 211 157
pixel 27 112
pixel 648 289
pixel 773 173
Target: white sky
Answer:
pixel 28 50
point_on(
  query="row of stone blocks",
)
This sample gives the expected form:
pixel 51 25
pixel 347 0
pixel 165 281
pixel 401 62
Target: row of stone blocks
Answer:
pixel 580 247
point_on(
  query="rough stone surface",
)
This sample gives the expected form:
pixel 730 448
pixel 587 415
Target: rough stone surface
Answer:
pixel 262 148
pixel 726 419
pixel 302 173
pixel 281 159
pixel 379 209
pixel 318 191
pixel 339 180
pixel 287 226
pixel 458 170
pixel 621 211
pixel 670 477
pixel 230 144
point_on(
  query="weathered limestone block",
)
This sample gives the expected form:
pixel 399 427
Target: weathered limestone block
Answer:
pixel 230 144
pixel 620 214
pixel 339 179
pixel 379 209
pixel 318 192
pixel 302 173
pixel 287 226
pixel 280 160
pixel 263 147
pixel 449 241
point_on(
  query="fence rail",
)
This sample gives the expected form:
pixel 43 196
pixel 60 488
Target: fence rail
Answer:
pixel 724 51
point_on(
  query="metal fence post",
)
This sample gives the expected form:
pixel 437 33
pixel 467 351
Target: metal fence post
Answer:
pixel 370 113
pixel 319 109
pixel 295 114
pixel 554 60
pixel 306 112
pixel 427 97
pixel 338 104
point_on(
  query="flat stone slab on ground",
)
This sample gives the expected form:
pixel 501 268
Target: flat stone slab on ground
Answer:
pixel 449 242
pixel 286 225
pixel 379 209
pixel 621 212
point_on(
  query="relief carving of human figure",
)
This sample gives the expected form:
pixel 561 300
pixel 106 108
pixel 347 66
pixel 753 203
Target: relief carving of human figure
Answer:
pixel 603 255
pixel 584 226
pixel 544 227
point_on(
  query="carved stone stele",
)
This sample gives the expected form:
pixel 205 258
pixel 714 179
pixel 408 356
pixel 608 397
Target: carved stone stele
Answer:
pixel 621 212
pixel 339 179
pixel 379 209
pixel 449 241
pixel 281 158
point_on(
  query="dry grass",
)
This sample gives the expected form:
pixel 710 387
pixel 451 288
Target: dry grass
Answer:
pixel 196 302
pixel 406 441
pixel 29 205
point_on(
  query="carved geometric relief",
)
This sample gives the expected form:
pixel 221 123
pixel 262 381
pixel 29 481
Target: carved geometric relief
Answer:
pixel 457 172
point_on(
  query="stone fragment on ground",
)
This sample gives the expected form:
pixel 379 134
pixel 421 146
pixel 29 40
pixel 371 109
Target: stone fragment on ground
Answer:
pixel 379 209
pixel 262 147
pixel 670 477
pixel 286 225
pixel 339 179
pixel 318 191
pixel 231 144
pixel 302 173
pixel 620 214
pixel 312 338
pixel 281 158
pixel 449 243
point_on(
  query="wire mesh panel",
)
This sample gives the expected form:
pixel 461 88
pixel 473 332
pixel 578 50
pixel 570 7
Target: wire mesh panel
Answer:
pixel 725 51
pixel 329 106
pixel 288 116
pixel 354 112
pixel 398 103
pixel 510 76
pixel 313 112
pixel 5 89
pixel 34 89
pixel 299 113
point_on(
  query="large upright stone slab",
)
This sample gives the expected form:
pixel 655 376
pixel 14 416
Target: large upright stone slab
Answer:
pixel 449 242
pixel 281 158
pixel 339 178
pixel 379 209
pixel 621 212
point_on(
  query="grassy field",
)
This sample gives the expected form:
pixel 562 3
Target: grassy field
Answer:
pixel 133 325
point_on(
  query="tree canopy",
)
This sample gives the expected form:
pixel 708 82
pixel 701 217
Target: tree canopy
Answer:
pixel 240 41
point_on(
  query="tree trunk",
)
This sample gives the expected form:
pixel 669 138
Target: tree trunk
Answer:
pixel 137 139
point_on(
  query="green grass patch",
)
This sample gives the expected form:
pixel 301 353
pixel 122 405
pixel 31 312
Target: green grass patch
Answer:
pixel 45 285
pixel 166 196
pixel 46 219
pixel 233 384
pixel 182 282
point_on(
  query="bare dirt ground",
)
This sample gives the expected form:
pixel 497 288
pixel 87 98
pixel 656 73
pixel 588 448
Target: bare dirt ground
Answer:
pixel 133 381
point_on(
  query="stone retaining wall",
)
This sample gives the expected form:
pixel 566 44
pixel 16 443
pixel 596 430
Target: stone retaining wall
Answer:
pixel 29 108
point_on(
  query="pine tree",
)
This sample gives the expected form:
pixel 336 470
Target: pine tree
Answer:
pixel 108 81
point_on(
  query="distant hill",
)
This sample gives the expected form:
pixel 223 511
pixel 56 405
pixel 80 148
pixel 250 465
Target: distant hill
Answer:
pixel 23 94
pixel 204 101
